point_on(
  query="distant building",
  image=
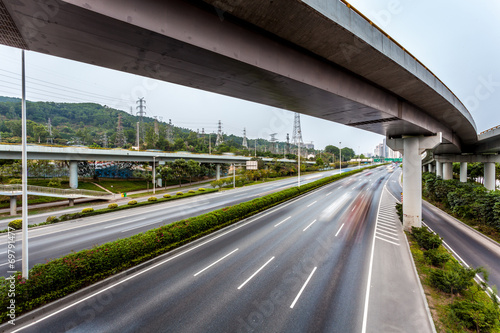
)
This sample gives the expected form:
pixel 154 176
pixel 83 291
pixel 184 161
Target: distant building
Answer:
pixel 308 145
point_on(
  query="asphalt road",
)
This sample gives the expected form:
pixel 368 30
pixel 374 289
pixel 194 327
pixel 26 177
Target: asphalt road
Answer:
pixel 299 267
pixel 471 247
pixel 52 241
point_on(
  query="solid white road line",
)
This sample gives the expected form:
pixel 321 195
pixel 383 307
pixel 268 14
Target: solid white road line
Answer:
pixel 282 221
pixel 255 273
pixel 339 229
pixel 302 289
pixel 312 203
pixel 309 225
pixel 227 255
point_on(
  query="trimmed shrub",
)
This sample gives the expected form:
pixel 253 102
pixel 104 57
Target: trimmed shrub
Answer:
pixel 151 199
pixel 132 202
pixel 88 210
pixel 113 206
pixel 191 191
pixel 399 209
pixel 425 238
pixel 180 193
pixel 16 224
pixel 55 182
pixel 436 258
pixel 201 189
pixel 167 195
pixel 476 316
pixel 454 280
pixel 51 219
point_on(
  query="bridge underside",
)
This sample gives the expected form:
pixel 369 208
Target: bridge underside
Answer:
pixel 216 52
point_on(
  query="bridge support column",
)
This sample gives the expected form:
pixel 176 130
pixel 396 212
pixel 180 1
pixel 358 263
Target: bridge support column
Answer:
pixel 71 202
pixel 432 168
pixel 412 148
pixel 439 169
pixel 447 170
pixel 73 174
pixel 463 172
pixel 489 176
pixel 217 171
pixel 159 181
pixel 13 205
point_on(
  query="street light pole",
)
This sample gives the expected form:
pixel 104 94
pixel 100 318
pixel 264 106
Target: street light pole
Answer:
pixel 340 157
pixel 359 157
pixel 24 180
pixel 154 173
pixel 298 157
pixel 234 175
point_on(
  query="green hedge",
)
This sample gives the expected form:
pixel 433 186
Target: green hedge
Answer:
pixel 71 272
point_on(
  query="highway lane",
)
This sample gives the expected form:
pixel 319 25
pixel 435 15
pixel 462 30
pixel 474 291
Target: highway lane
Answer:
pixel 301 266
pixel 473 248
pixel 55 240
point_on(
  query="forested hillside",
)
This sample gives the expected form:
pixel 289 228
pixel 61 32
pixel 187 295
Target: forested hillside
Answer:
pixel 95 125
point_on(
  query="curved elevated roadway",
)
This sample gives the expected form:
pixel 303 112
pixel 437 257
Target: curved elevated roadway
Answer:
pixel 316 57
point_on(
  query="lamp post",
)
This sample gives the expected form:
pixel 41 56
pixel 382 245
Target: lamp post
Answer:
pixel 234 175
pixel 154 173
pixel 24 179
pixel 298 158
pixel 340 157
pixel 359 157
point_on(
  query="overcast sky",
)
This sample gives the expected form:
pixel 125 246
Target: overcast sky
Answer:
pixel 457 40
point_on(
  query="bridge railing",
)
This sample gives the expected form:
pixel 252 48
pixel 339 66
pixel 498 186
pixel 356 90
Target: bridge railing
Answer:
pixel 16 188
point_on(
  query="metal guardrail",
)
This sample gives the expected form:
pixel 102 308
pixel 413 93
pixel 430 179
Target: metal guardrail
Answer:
pixel 70 193
pixel 489 130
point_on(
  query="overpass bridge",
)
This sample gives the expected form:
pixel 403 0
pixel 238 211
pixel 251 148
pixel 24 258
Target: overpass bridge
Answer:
pixel 317 57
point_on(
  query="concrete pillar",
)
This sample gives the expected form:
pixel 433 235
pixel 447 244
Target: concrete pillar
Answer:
pixel 439 169
pixel 432 168
pixel 447 170
pixel 73 174
pixel 412 183
pixel 412 148
pixel 13 205
pixel 463 172
pixel 489 175
pixel 217 171
pixel 71 202
pixel 159 181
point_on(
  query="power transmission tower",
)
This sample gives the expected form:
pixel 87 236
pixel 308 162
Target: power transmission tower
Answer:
pixel 287 148
pixel 220 138
pixel 274 143
pixel 245 144
pixel 105 140
pixel 120 137
pixel 169 131
pixel 203 134
pixel 131 111
pixel 157 128
pixel 141 113
pixel 297 132
pixel 50 139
